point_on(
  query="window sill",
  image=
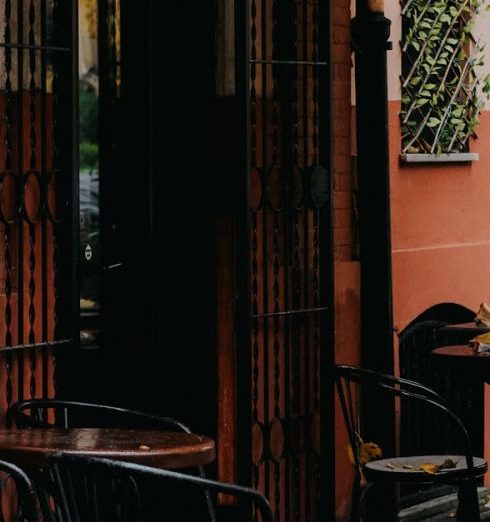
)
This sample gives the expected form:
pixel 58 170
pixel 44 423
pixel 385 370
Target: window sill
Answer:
pixel 457 157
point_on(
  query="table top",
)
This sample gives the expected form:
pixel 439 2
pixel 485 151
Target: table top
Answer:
pixel 173 450
pixel 464 358
pixel 470 328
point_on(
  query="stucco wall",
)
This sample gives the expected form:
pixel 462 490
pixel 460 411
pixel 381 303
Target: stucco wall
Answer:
pixel 440 220
pixel 440 229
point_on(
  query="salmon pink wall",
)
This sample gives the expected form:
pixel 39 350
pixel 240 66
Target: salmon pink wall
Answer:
pixel 440 229
pixel 439 212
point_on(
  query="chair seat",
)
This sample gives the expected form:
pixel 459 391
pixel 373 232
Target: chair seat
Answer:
pixel 392 470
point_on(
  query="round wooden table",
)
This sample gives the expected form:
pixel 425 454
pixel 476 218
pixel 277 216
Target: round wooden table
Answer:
pixel 163 449
pixel 464 359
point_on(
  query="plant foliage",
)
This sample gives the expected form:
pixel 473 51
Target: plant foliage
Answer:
pixel 442 83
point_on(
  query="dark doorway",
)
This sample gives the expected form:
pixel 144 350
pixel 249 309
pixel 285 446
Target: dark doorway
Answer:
pixel 215 233
pixel 148 275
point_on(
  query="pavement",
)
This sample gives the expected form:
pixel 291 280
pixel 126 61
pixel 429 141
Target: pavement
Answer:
pixel 443 509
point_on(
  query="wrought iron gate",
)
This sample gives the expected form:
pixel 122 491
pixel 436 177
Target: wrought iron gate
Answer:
pixel 290 255
pixel 37 194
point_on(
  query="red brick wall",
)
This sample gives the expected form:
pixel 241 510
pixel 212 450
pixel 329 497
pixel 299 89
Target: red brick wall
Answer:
pixel 347 281
pixel 344 183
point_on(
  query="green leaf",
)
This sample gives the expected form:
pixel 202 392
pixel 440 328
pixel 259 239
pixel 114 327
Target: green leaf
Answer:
pixel 433 122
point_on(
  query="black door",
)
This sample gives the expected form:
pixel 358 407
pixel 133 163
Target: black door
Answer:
pixel 152 268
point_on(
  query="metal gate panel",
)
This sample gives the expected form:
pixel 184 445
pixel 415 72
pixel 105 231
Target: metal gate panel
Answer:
pixel 36 200
pixel 289 202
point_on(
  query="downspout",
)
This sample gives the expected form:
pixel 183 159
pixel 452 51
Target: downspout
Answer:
pixel 371 30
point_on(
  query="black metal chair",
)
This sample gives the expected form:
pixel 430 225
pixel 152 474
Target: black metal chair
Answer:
pixel 26 508
pixel 51 413
pixel 92 489
pixel 350 381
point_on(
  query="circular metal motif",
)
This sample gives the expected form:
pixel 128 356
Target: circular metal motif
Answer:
pixel 276 439
pixel 32 197
pixel 257 443
pixel 50 196
pixel 9 200
pixel 274 189
pixel 255 189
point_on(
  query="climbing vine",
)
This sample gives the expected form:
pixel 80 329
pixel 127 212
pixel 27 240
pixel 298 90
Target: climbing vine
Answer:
pixel 443 84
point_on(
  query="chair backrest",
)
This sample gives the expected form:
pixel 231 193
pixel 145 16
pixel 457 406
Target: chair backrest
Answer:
pixel 421 431
pixel 92 489
pixel 46 413
pixel 350 381
pixel 26 508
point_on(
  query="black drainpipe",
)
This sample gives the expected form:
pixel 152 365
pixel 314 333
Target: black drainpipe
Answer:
pixel 371 30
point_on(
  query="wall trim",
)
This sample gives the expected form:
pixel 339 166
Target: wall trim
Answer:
pixel 455 157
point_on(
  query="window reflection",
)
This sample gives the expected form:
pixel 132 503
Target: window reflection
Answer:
pixel 89 170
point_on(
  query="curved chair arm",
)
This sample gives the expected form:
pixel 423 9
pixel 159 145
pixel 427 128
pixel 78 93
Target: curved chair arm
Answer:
pixel 27 498
pixel 17 413
pixel 64 463
pixel 375 378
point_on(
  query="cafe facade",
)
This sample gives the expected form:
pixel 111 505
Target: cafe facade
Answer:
pixel 187 214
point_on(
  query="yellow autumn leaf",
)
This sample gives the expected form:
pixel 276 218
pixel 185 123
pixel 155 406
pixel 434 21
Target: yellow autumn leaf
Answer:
pixel 368 451
pixel 429 468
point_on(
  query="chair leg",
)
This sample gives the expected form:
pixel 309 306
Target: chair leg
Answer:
pixel 355 502
pixel 380 504
pixel 362 501
pixel 468 507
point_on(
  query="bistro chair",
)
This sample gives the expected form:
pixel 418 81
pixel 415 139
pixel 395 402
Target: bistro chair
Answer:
pixel 54 413
pixel 26 498
pixel 387 472
pixel 91 489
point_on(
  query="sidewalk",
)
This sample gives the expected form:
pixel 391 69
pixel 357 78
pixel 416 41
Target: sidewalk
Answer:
pixel 443 509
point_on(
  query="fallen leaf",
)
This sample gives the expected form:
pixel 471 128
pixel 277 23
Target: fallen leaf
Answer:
pixel 429 468
pixel 368 451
